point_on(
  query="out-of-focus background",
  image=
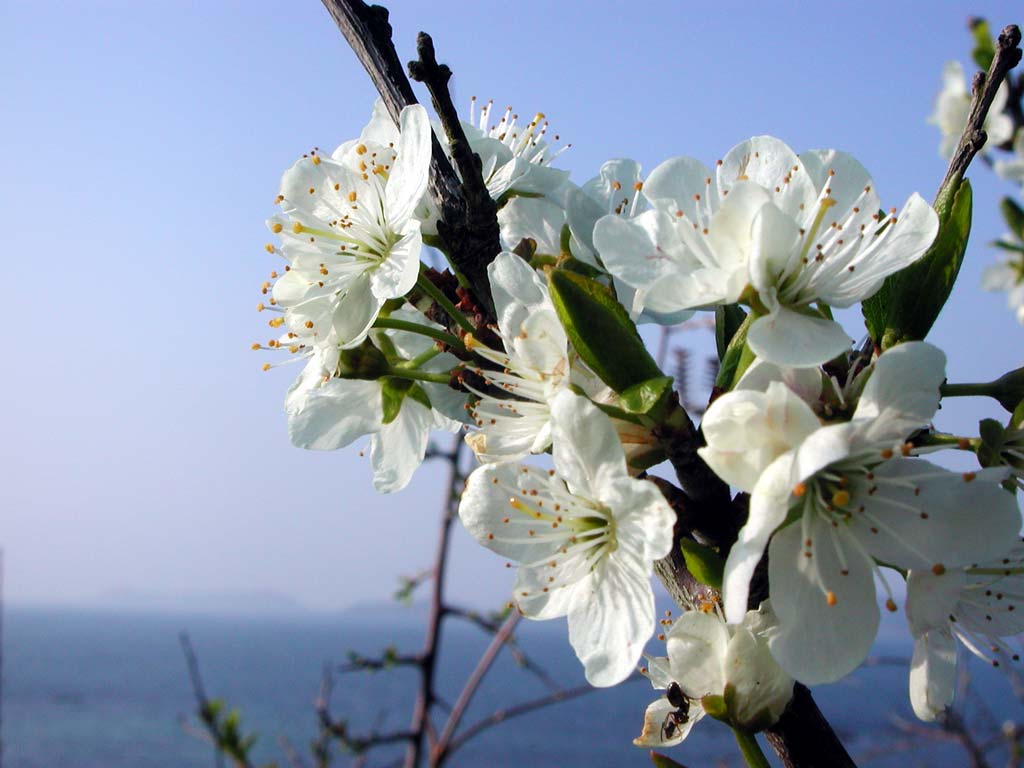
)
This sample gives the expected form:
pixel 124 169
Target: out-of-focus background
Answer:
pixel 145 467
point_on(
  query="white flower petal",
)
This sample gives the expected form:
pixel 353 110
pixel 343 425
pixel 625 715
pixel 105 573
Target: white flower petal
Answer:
pixel 902 394
pixel 771 164
pixel 769 505
pixel 609 627
pixel 657 726
pixel 672 186
pixel 398 448
pixel 918 511
pixel 586 450
pixel 341 411
pixel 819 642
pixel 933 674
pixel 796 340
pixel 408 178
pixel 697 645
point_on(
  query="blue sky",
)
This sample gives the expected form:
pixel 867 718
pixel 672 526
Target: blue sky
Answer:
pixel 143 143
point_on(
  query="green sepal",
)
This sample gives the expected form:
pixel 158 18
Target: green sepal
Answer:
pixel 984 50
pixel 419 395
pixel 392 392
pixel 728 320
pixel 648 398
pixel 600 330
pixel 737 357
pixel 706 565
pixel 1014 216
pixel 580 267
pixel 714 706
pixel 565 240
pixel 908 302
pixel 661 761
pixel 364 361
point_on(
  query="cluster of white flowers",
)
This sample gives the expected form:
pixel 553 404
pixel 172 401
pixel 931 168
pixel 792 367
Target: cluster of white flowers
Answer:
pixel 822 440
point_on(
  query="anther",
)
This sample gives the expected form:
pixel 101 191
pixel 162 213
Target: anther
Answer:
pixel 276 227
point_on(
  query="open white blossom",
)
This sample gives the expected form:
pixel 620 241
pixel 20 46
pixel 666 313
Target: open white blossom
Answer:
pixel 330 413
pixel 705 657
pixel 953 104
pixel 515 157
pixel 349 232
pixel 774 230
pixel 534 365
pixel 977 605
pixel 586 536
pixel 835 500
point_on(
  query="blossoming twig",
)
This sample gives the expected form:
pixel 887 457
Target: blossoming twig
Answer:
pixel 983 91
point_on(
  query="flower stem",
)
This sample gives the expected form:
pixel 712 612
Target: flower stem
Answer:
pixel 424 284
pixel 951 441
pixel 966 390
pixel 750 749
pixel 420 359
pixel 442 377
pixel 423 330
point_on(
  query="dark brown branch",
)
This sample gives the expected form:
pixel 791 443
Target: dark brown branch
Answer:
pixel 359 663
pixel 469 223
pixel 469 220
pixel 983 91
pixel 803 738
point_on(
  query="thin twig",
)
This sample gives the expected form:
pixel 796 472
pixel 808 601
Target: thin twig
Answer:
pixel 438 754
pixel 502 715
pixel 983 91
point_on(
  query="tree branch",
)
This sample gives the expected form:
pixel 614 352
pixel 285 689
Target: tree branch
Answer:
pixel 983 91
pixel 469 223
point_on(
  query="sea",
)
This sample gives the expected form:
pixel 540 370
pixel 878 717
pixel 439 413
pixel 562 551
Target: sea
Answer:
pixel 104 689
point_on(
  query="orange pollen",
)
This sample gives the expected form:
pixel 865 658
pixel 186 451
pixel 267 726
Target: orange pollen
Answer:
pixel 830 598
pixel 276 228
pixel 799 489
pixel 938 569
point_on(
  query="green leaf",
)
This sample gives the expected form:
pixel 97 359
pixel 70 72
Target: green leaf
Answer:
pixel 392 393
pixel 908 302
pixel 1014 216
pixel 706 565
pixel 648 397
pixel 664 762
pixel 1017 420
pixel 728 320
pixel 984 51
pixel 600 330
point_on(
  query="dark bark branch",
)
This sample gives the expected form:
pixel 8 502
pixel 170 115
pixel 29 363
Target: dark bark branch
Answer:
pixel 803 737
pixel 470 219
pixel 469 223
pixel 983 91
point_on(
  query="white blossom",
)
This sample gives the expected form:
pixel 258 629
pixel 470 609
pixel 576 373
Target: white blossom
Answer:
pixel 326 413
pixel 515 157
pixel 705 657
pixel 349 233
pixel 774 230
pixel 978 606
pixel 837 499
pixel 534 365
pixel 586 536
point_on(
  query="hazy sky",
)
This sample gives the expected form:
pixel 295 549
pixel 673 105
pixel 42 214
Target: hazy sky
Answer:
pixel 142 447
